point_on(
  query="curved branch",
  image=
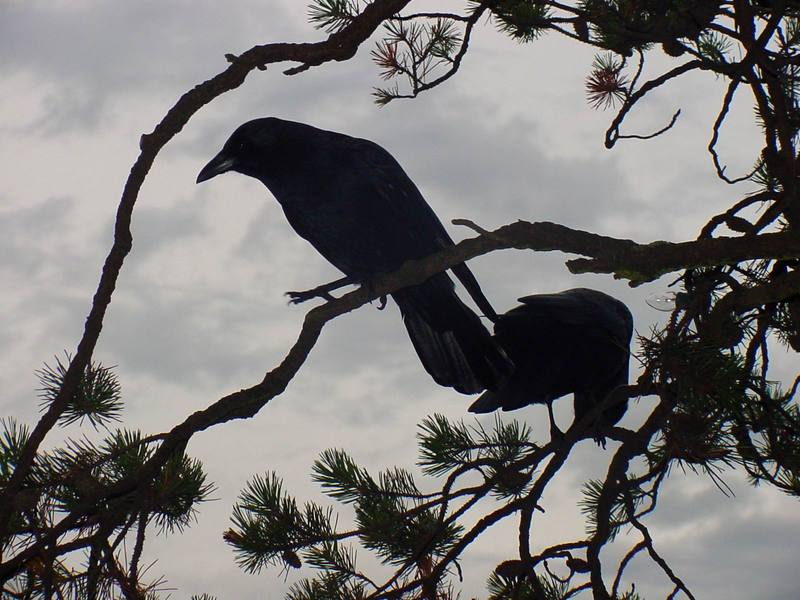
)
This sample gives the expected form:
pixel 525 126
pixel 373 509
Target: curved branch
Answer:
pixel 623 564
pixel 715 130
pixel 612 135
pixel 339 46
pixel 725 217
pixel 650 136
pixel 614 479
pixel 648 541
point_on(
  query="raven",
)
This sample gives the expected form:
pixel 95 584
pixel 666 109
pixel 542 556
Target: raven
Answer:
pixel 573 341
pixel 354 203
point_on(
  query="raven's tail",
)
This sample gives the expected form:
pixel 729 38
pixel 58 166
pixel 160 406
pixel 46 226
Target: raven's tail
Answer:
pixel 450 340
pixel 487 402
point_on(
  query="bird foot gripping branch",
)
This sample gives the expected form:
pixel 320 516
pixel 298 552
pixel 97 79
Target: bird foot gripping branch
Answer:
pixel 324 291
pixel 321 291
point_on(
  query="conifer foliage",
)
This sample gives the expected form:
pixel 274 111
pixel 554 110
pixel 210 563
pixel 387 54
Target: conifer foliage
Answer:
pixel 75 518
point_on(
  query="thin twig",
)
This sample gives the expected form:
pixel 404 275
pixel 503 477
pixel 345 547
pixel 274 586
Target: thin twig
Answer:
pixel 649 136
pixel 712 144
pixel 612 134
pixel 624 563
pixel 648 540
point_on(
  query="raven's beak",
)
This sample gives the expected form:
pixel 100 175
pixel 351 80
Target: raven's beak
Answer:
pixel 216 166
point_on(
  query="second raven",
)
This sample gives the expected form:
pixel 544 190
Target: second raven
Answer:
pixel 576 341
pixel 354 203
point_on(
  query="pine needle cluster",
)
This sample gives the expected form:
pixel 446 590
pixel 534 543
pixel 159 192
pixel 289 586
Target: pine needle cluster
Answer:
pixel 404 527
pixel 74 479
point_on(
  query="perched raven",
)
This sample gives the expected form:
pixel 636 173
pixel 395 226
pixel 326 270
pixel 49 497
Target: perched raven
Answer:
pixel 574 341
pixel 354 203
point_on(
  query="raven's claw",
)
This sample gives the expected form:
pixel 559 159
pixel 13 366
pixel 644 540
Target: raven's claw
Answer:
pixel 306 295
pixel 321 291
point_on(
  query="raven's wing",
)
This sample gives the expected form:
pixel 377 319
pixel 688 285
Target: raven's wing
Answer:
pixel 393 224
pixel 410 228
pixel 582 308
pixel 573 341
pixel 603 327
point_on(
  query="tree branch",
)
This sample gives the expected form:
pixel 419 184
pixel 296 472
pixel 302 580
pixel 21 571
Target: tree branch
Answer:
pixel 626 259
pixel 612 134
pixel 615 477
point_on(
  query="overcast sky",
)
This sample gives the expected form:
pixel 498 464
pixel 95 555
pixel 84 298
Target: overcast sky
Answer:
pixel 199 309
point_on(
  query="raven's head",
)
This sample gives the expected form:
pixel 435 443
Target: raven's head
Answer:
pixel 251 150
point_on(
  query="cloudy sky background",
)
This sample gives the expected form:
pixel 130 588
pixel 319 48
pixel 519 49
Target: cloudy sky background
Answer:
pixel 199 310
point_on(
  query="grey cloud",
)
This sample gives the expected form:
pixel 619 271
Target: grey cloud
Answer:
pixel 32 233
pixel 334 96
pixel 729 543
pixel 90 53
pixel 157 226
pixel 746 554
pixel 493 168
pixel 47 254
pixel 47 278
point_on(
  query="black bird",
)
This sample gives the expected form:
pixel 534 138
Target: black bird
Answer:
pixel 576 341
pixel 354 203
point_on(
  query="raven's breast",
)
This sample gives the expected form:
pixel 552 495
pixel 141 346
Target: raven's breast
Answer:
pixel 345 234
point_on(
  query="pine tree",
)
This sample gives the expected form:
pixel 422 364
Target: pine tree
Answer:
pixel 709 367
